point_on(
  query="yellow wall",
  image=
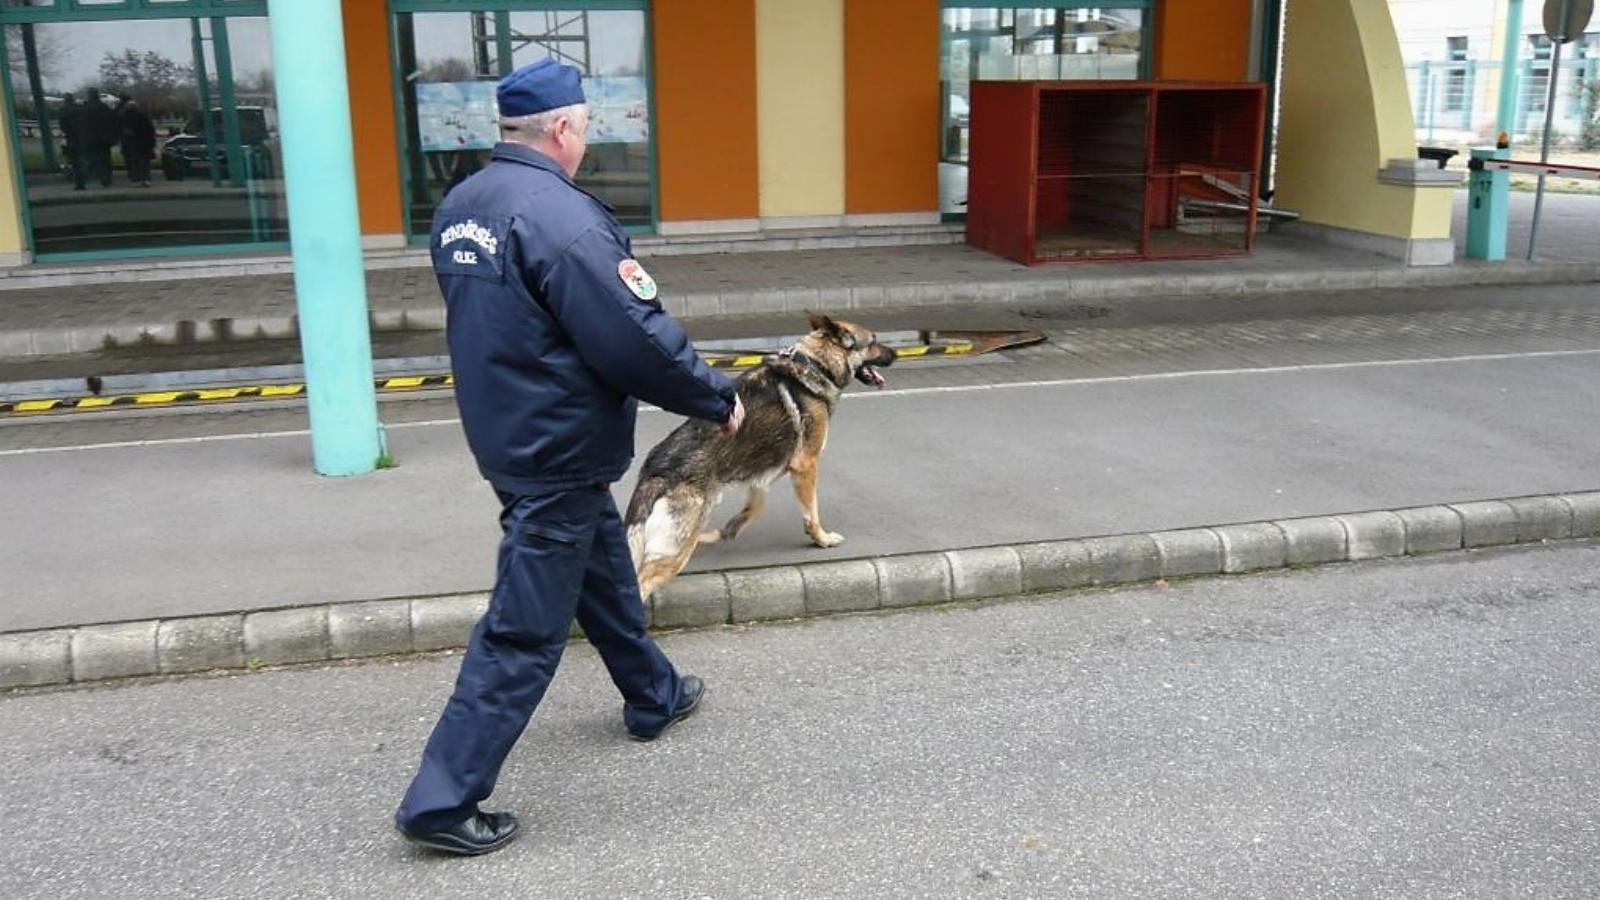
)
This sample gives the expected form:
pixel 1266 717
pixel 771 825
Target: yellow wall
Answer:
pixel 800 106
pixel 12 241
pixel 1346 112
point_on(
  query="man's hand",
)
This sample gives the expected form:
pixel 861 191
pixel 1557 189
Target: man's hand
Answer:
pixel 735 418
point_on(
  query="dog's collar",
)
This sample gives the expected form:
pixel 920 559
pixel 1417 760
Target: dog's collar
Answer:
pixel 816 366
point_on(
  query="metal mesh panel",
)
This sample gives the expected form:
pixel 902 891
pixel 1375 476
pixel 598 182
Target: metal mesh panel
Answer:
pixel 1071 171
pixel 1090 184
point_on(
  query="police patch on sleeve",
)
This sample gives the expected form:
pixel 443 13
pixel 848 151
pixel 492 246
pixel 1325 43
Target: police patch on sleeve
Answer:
pixel 637 279
pixel 472 245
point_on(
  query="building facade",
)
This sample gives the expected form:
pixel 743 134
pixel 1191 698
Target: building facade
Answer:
pixel 1453 50
pixel 710 116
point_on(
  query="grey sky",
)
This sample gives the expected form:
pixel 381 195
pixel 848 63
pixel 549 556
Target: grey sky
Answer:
pixel 616 42
pixel 83 45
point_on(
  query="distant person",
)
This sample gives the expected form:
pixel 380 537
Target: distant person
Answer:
pixel 74 138
pixel 104 133
pixel 138 140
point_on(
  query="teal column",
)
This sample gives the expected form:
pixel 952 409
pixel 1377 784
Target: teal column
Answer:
pixel 325 233
pixel 47 137
pixel 202 82
pixel 502 42
pixel 223 52
pixel 1506 114
pixel 1488 207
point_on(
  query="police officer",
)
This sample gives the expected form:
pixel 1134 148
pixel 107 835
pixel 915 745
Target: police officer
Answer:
pixel 554 329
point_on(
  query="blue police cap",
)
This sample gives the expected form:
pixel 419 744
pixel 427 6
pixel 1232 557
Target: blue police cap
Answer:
pixel 539 87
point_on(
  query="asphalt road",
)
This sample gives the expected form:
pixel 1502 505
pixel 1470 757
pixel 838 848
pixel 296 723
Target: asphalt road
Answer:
pixel 1415 729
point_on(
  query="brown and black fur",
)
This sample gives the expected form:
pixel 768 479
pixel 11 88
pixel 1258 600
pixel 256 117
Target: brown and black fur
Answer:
pixel 685 475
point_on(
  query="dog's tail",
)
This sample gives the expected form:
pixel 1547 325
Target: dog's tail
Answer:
pixel 645 495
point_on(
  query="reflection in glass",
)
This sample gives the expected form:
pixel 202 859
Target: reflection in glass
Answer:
pixel 116 151
pixel 450 63
pixel 1024 44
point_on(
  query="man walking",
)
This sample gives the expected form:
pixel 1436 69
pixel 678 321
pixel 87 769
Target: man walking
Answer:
pixel 105 131
pixel 75 138
pixel 138 140
pixel 554 330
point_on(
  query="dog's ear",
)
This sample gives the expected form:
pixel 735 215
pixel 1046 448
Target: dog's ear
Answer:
pixel 821 322
pixel 826 324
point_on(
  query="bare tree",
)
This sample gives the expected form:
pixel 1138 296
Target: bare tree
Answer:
pixel 448 69
pixel 257 87
pixel 48 51
pixel 154 81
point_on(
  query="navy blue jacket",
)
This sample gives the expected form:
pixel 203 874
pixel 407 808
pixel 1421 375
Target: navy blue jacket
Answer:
pixel 549 345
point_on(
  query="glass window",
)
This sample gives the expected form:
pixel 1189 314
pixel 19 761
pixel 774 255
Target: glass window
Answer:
pixel 148 133
pixel 1455 88
pixel 1538 81
pixel 450 62
pixel 1023 44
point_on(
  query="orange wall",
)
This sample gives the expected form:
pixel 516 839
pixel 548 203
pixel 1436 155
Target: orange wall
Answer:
pixel 368 64
pixel 1203 40
pixel 891 108
pixel 705 111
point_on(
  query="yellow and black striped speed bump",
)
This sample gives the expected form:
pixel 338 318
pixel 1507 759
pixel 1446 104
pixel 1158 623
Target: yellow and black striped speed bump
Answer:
pixel 383 385
pixel 955 348
pixel 204 395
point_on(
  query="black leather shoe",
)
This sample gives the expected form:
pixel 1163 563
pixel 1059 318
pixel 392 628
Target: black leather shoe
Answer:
pixel 482 833
pixel 693 690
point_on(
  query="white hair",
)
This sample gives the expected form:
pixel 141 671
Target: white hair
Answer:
pixel 528 129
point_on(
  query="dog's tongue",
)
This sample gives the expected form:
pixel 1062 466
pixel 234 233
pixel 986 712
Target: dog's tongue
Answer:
pixel 874 377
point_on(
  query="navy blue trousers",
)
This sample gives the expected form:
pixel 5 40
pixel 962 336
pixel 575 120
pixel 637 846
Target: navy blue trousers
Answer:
pixel 562 555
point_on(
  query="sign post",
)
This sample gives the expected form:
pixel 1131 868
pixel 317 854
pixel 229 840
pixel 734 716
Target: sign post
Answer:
pixel 1564 20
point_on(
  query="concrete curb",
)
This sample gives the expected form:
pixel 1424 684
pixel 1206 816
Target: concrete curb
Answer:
pixel 418 624
pixel 1030 288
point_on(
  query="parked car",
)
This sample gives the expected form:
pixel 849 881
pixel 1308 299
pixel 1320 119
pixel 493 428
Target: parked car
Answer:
pixel 184 153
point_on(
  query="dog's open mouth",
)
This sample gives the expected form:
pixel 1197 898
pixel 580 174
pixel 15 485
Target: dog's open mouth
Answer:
pixel 870 376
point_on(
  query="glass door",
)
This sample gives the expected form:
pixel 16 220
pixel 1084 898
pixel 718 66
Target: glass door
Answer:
pixel 449 63
pixel 1011 43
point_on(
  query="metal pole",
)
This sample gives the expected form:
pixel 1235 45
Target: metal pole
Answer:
pixel 1506 113
pixel 1549 120
pixel 1430 101
pixel 230 105
pixel 204 85
pixel 325 233
pixel 417 164
pixel 1271 58
pixel 502 42
pixel 30 54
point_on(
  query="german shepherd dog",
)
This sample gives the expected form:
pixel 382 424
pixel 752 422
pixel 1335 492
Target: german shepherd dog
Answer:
pixel 788 400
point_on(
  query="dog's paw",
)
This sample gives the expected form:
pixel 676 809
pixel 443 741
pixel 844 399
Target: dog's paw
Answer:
pixel 712 537
pixel 828 540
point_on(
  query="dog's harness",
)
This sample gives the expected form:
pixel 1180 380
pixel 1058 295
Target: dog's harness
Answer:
pixel 810 375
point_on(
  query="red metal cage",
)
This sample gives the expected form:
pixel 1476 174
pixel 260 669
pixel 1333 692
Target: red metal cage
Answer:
pixel 1095 170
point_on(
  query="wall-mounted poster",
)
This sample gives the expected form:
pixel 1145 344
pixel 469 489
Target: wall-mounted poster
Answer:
pixel 617 110
pixel 463 115
pixel 457 115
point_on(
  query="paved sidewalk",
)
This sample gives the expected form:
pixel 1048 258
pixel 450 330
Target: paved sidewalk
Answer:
pixel 1111 428
pixel 80 319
